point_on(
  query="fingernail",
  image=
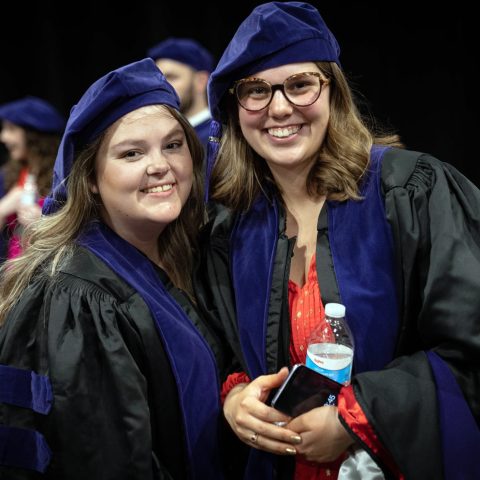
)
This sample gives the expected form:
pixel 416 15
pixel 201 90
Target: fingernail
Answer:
pixel 290 451
pixel 296 438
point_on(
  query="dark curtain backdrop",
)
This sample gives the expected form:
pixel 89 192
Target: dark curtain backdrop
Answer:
pixel 414 70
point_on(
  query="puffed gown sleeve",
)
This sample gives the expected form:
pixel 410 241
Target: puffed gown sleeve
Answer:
pixel 215 299
pixel 425 406
pixel 213 285
pixel 75 402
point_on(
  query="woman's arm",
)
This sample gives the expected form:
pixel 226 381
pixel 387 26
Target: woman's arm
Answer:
pixel 427 398
pixel 72 333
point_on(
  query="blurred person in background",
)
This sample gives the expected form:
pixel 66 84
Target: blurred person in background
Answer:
pixel 31 131
pixel 187 65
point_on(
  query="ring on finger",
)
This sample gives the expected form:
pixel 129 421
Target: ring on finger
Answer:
pixel 253 437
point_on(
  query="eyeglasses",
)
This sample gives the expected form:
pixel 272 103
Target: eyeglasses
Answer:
pixel 302 89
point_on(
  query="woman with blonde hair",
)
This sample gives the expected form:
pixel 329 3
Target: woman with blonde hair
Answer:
pixel 31 132
pixel 106 369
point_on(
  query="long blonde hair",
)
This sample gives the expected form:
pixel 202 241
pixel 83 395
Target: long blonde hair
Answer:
pixel 51 240
pixel 240 174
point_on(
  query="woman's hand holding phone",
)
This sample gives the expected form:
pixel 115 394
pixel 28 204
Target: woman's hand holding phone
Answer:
pixel 311 398
pixel 253 421
pixel 324 438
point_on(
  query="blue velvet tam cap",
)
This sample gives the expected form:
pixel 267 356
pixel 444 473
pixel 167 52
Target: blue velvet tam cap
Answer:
pixel 33 113
pixel 274 34
pixel 183 50
pixel 111 97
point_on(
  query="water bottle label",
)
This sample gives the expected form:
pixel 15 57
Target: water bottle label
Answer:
pixel 333 361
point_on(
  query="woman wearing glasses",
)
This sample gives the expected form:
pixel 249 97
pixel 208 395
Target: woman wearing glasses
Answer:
pixel 314 207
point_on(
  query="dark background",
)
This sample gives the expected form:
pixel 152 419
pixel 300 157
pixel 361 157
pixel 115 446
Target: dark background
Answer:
pixel 414 70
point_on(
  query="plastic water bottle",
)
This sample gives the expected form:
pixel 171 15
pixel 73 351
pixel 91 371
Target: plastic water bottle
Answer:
pixel 330 346
pixel 29 194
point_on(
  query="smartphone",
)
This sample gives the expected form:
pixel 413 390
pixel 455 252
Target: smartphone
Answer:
pixel 303 390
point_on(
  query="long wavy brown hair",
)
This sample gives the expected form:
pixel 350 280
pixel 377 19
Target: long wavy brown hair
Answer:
pixel 50 241
pixel 240 173
pixel 42 150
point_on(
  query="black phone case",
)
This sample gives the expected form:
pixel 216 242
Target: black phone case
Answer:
pixel 303 390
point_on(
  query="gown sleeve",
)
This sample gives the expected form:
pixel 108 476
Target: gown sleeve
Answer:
pixel 70 336
pixel 425 406
pixel 213 287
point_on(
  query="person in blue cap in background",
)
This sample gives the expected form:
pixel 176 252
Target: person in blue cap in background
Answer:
pixel 315 207
pixel 187 64
pixel 106 370
pixel 31 131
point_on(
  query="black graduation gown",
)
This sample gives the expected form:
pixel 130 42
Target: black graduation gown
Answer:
pixel 112 382
pixel 434 215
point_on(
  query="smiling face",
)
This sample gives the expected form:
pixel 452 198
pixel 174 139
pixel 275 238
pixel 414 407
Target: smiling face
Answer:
pixel 143 174
pixel 284 135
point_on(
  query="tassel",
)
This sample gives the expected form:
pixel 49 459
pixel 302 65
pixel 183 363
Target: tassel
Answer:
pixel 55 200
pixel 212 152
